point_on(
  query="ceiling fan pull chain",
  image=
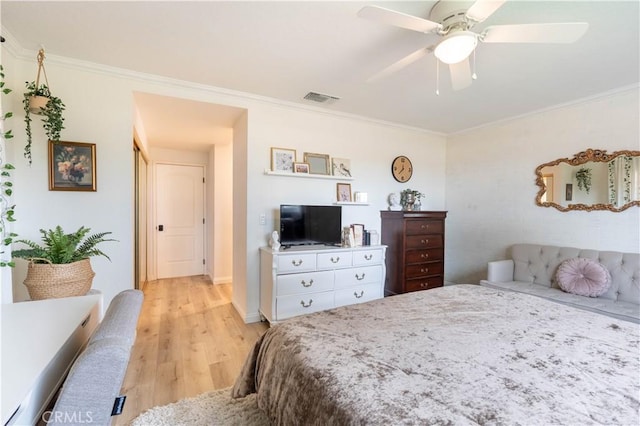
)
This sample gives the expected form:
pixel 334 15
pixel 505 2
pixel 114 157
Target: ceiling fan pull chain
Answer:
pixel 474 75
pixel 437 77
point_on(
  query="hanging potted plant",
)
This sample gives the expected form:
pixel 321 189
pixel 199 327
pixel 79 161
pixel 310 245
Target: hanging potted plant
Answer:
pixel 583 176
pixel 39 100
pixel 61 267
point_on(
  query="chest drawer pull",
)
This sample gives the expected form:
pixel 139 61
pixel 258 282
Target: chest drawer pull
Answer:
pixel 335 260
pixel 296 262
pixel 360 277
pixel 424 226
pixel 424 241
pixel 424 255
pixel 304 283
pixel 424 270
pixel 358 296
pixel 368 256
pixel 306 305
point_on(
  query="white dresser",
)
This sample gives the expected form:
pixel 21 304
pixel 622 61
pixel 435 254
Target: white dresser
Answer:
pixel 301 281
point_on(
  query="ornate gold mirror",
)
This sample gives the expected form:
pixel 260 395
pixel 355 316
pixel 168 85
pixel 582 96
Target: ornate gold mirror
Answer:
pixel 592 180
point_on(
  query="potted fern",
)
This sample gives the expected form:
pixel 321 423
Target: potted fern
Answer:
pixel 60 267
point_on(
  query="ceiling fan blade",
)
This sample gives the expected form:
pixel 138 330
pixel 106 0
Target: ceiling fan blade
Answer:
pixel 397 66
pixel 482 9
pixel 398 19
pixel 567 32
pixel 460 75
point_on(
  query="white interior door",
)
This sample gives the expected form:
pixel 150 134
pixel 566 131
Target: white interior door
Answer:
pixel 179 220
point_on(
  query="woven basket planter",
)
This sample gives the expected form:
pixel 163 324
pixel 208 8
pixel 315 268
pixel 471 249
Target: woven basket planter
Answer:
pixel 52 281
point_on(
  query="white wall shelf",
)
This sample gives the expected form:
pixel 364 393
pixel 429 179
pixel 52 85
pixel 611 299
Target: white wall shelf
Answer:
pixel 306 175
pixel 349 203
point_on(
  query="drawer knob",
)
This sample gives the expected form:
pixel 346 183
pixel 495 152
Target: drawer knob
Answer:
pixel 306 305
pixel 424 255
pixel 335 260
pixel 296 262
pixel 368 256
pixel 424 270
pixel 360 278
pixel 424 226
pixel 358 296
pixel 304 283
pixel 423 285
pixel 424 241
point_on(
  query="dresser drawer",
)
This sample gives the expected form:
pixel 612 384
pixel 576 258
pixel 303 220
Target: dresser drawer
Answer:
pixel 308 282
pixel 360 275
pixel 367 257
pixel 358 294
pixel 421 256
pixel 424 241
pixel 423 269
pixel 334 260
pixel 419 227
pixel 424 283
pixel 299 262
pixel 293 305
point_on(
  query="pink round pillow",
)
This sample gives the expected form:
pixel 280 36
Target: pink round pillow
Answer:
pixel 584 277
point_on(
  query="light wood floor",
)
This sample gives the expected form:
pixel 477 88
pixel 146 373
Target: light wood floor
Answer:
pixel 190 340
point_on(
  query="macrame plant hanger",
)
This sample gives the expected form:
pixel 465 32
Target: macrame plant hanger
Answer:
pixel 35 105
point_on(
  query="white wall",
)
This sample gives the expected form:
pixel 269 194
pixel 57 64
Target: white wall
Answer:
pixel 491 184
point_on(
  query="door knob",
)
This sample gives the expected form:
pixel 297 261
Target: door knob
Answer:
pixel 160 228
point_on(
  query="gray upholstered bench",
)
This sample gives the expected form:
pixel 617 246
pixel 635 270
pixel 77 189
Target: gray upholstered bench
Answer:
pixel 95 379
pixel 532 270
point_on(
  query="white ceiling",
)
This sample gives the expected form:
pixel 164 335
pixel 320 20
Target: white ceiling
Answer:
pixel 283 50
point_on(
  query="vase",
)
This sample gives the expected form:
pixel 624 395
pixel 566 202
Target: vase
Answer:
pixel 410 200
pixel 37 104
pixel 52 281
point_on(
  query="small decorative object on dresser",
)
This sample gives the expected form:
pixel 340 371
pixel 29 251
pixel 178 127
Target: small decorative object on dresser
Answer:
pixel 415 254
pixel 274 241
pixel 409 198
pixel 394 202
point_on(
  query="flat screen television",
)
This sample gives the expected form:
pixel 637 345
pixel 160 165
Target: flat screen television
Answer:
pixel 308 225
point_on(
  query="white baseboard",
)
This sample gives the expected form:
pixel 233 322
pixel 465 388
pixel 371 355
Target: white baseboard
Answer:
pixel 221 280
pixel 247 318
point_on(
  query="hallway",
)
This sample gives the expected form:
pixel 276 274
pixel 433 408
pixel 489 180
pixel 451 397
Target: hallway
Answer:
pixel 190 340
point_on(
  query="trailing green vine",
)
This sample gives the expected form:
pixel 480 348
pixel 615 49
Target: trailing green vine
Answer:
pixel 583 176
pixel 7 210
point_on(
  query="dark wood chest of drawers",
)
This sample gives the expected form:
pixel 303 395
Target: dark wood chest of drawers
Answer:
pixel 415 250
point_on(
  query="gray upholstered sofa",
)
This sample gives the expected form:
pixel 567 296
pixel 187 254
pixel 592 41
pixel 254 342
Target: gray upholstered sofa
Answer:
pixel 532 270
pixel 95 379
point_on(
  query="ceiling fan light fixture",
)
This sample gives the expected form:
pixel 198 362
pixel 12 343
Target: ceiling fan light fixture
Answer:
pixel 456 47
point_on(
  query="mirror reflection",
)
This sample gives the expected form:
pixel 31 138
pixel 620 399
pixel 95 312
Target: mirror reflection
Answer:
pixel 592 180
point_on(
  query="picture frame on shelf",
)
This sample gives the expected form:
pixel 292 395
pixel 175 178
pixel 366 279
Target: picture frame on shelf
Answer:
pixel 301 168
pixel 72 166
pixel 282 159
pixel 341 167
pixel 318 163
pixel 343 192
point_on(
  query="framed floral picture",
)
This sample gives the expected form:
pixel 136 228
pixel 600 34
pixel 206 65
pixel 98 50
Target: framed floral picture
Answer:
pixel 72 166
pixel 343 191
pixel 282 159
pixel 301 168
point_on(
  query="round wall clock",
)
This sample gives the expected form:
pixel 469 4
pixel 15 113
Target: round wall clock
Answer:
pixel 401 168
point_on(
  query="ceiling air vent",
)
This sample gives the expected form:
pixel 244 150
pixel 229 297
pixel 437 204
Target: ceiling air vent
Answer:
pixel 321 98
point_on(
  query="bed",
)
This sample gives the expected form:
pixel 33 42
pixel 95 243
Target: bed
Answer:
pixel 461 354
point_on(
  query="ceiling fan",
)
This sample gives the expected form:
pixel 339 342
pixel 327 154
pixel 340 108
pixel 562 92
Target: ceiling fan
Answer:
pixel 453 20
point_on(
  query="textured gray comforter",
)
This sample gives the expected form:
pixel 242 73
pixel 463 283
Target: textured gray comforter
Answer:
pixel 455 355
